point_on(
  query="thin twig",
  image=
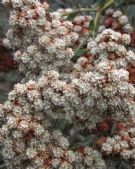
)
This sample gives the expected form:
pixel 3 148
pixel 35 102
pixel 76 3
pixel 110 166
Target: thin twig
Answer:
pixel 96 20
pixel 79 10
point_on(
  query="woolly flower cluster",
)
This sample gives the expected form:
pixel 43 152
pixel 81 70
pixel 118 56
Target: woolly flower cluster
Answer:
pixel 123 142
pixel 117 21
pixel 41 40
pixel 32 147
pixel 29 141
pixel 105 67
pixel 80 23
pixel 89 158
pixel 111 46
pixel 51 98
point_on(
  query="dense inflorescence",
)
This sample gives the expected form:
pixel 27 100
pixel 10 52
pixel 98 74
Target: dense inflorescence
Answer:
pixel 123 142
pixel 28 142
pixel 41 40
pixel 80 23
pixel 106 69
pixel 117 21
pixel 40 148
pixel 89 158
pixel 83 94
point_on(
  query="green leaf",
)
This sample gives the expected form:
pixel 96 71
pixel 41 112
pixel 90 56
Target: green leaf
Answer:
pixel 91 25
pixel 80 52
pixel 71 16
pixel 113 128
pixel 107 4
pixel 102 4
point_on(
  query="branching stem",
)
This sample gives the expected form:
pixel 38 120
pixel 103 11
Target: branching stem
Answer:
pixel 80 10
pixel 96 20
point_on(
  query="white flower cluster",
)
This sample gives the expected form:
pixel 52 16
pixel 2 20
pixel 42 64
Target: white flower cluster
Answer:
pixel 30 110
pixel 41 40
pixel 28 139
pixel 117 21
pixel 80 23
pixel 35 148
pixel 89 98
pixel 111 46
pixel 105 71
pixel 123 142
pixel 27 135
pixel 89 158
pixel 51 98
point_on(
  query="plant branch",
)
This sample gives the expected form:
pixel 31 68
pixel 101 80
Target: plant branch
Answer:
pixel 108 4
pixel 98 11
pixel 96 20
pixel 79 10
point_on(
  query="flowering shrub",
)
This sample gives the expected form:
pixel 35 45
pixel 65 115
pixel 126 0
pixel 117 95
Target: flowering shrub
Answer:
pixel 82 93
